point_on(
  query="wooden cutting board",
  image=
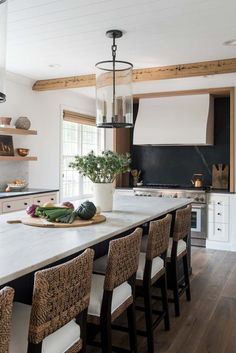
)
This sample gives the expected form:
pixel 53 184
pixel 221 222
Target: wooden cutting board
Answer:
pixel 39 222
pixel 220 176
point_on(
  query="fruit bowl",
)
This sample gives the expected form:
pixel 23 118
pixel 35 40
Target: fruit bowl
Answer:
pixel 16 185
pixel 23 152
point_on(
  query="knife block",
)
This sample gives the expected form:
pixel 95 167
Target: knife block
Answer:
pixel 220 176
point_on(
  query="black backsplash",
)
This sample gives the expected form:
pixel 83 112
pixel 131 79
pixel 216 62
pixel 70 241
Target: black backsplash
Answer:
pixel 177 164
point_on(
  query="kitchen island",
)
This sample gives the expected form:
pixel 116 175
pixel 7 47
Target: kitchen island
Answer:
pixel 25 249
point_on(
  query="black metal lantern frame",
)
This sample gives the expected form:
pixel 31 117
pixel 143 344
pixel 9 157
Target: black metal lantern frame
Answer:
pixel 114 90
pixel 3 25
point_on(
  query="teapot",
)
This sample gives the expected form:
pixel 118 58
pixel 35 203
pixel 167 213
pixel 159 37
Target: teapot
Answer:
pixel 197 180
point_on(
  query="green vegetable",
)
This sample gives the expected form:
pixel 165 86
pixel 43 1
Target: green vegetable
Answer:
pixel 68 218
pixel 52 213
pixel 86 210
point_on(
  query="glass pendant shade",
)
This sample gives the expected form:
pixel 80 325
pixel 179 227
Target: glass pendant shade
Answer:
pixel 3 35
pixel 114 97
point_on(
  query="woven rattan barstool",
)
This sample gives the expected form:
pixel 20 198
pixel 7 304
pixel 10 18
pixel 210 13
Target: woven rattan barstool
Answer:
pixel 6 302
pixel 177 251
pixel 56 322
pixel 113 293
pixel 152 272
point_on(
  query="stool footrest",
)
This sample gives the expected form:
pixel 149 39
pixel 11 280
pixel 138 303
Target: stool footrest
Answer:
pixel 158 320
pixel 119 328
pixel 140 308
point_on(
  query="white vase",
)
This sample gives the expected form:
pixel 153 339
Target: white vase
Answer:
pixel 103 196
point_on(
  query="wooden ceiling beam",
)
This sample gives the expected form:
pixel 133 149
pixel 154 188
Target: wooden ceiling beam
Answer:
pixel 65 83
pixel 204 68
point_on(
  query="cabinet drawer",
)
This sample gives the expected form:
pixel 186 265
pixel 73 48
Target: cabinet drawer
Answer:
pixel 41 199
pixel 16 205
pixel 219 200
pixel 218 231
pixel 221 214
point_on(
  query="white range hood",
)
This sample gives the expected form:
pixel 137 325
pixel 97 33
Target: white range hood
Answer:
pixel 178 120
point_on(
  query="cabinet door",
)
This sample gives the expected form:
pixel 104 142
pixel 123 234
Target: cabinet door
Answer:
pixel 15 205
pixel 42 199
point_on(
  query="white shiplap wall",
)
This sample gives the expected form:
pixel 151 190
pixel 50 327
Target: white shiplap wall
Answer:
pixel 158 32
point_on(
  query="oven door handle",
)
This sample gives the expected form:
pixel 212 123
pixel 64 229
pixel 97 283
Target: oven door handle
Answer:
pixel 198 206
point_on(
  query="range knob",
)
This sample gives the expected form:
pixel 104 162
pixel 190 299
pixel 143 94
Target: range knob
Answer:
pixel 175 196
pixel 202 199
pixel 160 195
pixel 196 199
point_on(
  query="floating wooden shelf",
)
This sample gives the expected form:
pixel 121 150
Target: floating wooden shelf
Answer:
pixel 12 130
pixel 17 158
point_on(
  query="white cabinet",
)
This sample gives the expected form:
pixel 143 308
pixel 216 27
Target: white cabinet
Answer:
pixel 218 217
pixel 15 205
pixel 41 199
pixel 21 203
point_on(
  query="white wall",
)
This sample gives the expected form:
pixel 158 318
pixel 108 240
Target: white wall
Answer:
pixel 44 109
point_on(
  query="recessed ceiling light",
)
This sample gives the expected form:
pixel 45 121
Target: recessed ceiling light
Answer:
pixel 230 42
pixel 54 66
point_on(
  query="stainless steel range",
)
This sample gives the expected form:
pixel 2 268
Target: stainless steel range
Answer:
pixel 199 210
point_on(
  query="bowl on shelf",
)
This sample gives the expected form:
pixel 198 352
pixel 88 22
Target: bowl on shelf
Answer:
pixel 23 152
pixel 5 121
pixel 17 185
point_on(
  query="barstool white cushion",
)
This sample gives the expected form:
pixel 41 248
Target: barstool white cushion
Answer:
pixel 180 247
pixel 120 295
pixel 157 266
pixel 57 342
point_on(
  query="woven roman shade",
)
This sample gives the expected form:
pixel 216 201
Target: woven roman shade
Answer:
pixel 79 118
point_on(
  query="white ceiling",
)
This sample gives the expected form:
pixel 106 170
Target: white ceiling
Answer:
pixel 71 33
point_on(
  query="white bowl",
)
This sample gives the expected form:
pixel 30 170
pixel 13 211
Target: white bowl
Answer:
pixel 16 187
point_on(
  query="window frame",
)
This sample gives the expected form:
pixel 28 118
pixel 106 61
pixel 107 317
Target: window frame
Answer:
pixel 73 116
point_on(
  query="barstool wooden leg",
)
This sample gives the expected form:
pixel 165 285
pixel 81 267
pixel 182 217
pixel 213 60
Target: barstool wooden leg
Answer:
pixel 132 328
pixel 34 348
pixel 148 317
pixel 81 320
pixel 175 288
pixel 186 277
pixel 164 296
pixel 106 333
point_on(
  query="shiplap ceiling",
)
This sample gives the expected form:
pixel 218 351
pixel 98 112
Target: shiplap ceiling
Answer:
pixel 71 33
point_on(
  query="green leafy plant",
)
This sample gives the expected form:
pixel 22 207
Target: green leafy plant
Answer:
pixel 102 168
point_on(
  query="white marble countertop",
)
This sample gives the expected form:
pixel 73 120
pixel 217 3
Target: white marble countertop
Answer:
pixel 24 249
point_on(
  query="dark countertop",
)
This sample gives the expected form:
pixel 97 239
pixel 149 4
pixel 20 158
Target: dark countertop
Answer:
pixel 25 192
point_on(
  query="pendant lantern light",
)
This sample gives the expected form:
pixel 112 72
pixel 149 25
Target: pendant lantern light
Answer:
pixel 114 97
pixel 3 35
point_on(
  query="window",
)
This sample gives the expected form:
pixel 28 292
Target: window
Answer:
pixel 79 137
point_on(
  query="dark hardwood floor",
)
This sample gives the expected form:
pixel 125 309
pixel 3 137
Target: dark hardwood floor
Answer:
pixel 208 323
